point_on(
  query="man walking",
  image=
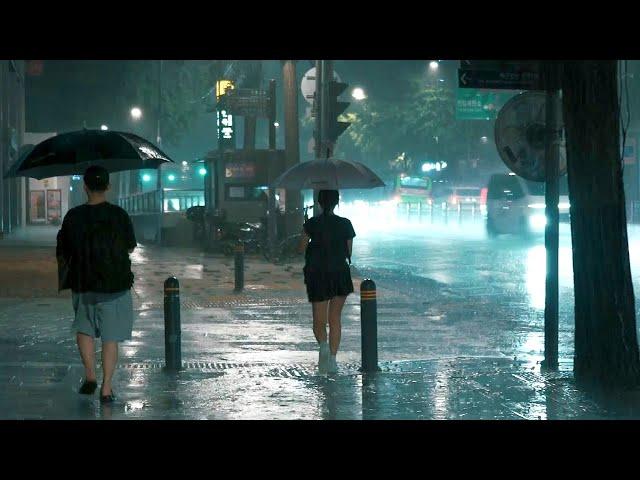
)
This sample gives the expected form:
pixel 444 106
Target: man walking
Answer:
pixel 95 242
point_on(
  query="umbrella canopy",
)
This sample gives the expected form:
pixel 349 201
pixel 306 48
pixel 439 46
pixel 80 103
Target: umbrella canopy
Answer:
pixel 328 174
pixel 72 153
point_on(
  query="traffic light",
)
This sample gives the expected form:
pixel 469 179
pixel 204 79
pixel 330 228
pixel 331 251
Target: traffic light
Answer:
pixel 335 108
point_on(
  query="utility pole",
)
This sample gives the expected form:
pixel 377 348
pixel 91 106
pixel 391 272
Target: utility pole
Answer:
pixel 552 197
pixel 293 198
pixel 159 193
pixel 272 227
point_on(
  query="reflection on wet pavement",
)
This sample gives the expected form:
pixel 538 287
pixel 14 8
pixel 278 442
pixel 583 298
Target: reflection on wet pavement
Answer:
pixel 460 322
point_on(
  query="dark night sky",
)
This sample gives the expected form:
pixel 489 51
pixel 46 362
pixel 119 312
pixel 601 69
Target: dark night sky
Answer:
pixel 69 93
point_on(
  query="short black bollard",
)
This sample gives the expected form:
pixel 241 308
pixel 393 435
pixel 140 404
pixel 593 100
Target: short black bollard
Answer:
pixel 172 333
pixel 369 326
pixel 239 267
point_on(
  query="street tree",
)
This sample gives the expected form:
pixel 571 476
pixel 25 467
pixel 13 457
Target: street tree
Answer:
pixel 606 345
pixel 187 86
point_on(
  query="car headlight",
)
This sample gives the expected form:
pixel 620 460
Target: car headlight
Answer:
pixel 537 221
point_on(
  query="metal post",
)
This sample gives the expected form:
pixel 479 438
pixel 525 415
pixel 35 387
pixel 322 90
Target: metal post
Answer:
pixel 551 237
pixel 159 209
pixel 327 76
pixel 272 222
pixel 317 103
pixel 4 83
pixel 369 326
pixel 293 198
pixel 172 332
pixel 239 267
pixel 160 193
pixel 272 115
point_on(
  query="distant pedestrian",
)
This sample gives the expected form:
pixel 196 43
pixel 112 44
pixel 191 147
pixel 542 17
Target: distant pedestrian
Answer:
pixel 327 239
pixel 95 241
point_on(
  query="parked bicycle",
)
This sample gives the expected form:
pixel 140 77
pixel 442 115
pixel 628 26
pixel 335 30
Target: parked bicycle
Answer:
pixel 287 249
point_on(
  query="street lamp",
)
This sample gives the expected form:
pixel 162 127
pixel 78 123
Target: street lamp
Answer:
pixel 433 65
pixel 358 94
pixel 104 127
pixel 276 124
pixel 136 113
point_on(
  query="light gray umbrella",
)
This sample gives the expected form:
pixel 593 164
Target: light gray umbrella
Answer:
pixel 328 174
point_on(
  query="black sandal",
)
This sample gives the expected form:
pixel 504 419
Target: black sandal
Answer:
pixel 88 387
pixel 108 398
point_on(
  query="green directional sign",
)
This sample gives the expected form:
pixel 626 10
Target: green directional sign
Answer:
pixel 474 104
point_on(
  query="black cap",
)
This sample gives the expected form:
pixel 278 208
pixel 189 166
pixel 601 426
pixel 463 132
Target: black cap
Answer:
pixel 96 178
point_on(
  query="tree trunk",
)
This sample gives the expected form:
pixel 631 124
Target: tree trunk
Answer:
pixel 606 347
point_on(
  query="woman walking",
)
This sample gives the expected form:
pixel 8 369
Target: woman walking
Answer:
pixel 328 240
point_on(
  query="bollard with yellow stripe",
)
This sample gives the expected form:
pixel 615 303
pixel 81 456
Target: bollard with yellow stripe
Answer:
pixel 369 326
pixel 172 331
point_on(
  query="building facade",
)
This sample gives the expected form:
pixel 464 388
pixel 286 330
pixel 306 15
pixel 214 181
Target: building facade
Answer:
pixel 12 123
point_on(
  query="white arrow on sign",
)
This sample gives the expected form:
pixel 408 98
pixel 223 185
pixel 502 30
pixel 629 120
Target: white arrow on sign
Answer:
pixel 463 78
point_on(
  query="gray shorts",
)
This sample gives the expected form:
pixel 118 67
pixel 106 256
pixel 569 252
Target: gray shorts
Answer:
pixel 103 315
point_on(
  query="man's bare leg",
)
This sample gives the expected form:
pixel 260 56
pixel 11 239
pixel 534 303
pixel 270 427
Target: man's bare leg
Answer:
pixel 109 361
pixel 86 345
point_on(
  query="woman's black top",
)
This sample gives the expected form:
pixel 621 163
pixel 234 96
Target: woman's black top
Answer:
pixel 328 250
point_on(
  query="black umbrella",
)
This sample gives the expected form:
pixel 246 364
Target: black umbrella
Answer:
pixel 72 153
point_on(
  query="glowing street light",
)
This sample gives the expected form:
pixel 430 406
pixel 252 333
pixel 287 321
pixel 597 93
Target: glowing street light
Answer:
pixel 433 65
pixel 146 177
pixel 276 124
pixel 171 177
pixel 358 94
pixel 104 127
pixel 484 139
pixel 136 113
pixel 203 171
pixel 185 163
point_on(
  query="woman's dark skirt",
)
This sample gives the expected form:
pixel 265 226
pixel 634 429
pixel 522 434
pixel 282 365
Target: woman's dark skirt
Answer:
pixel 323 286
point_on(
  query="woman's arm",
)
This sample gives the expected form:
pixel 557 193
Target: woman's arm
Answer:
pixel 304 241
pixel 349 246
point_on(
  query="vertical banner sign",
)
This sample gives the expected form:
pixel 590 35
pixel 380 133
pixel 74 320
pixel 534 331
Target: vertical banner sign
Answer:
pixel 224 119
pixel 226 130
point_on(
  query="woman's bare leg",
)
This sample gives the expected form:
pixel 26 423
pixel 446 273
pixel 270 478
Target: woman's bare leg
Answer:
pixel 320 320
pixel 335 323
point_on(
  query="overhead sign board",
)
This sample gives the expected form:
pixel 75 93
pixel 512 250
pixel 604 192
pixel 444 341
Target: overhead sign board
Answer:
pixel 474 104
pixel 498 80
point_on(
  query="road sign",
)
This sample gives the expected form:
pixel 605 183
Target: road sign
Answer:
pixel 473 104
pixel 501 65
pixel 498 80
pixel 308 84
pixel 247 102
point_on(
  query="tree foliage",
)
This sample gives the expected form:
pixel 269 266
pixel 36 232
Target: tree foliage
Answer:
pixel 419 125
pixel 188 87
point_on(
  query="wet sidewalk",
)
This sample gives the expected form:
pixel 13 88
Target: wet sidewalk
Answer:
pixel 253 356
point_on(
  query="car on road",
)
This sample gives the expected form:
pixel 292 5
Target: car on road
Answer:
pixel 516 205
pixel 458 198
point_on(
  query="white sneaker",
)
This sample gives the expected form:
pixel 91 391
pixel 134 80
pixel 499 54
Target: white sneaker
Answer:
pixel 323 357
pixel 333 366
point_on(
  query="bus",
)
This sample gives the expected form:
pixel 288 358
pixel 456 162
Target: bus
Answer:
pixel 409 189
